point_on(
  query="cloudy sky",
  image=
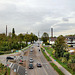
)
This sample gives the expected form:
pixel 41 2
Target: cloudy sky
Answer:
pixel 38 15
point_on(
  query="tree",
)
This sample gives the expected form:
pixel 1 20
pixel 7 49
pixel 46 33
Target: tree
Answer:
pixel 33 37
pixel 27 38
pixel 13 32
pixel 60 46
pixel 45 37
pixel 20 37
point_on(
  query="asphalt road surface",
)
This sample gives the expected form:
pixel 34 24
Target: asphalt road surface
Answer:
pixel 37 56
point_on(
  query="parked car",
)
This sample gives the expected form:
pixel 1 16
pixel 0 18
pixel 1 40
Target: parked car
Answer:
pixel 31 60
pixel 31 66
pixel 9 58
pixel 39 65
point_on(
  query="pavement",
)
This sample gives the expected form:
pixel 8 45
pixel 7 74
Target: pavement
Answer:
pixel 58 65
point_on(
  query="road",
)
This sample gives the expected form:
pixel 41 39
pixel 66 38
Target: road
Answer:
pixel 37 56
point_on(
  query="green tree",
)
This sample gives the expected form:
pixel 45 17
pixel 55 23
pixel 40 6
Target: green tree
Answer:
pixel 60 46
pixel 20 38
pixel 13 32
pixel 27 38
pixel 45 37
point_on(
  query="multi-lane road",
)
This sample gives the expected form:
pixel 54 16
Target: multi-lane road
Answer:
pixel 38 57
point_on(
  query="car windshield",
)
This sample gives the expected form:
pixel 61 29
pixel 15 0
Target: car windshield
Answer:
pixel 30 65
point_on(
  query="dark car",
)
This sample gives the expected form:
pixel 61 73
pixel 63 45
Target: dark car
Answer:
pixel 31 66
pixel 38 45
pixel 9 58
pixel 39 65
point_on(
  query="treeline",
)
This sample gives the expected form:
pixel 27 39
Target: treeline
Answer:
pixel 13 41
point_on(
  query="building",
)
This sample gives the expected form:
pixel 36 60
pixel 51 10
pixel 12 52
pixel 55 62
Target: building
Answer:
pixel 70 40
pixel 52 40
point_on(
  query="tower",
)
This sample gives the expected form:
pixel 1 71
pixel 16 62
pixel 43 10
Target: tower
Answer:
pixel 51 32
pixel 6 30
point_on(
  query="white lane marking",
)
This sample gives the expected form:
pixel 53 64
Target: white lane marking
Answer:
pixel 18 68
pixel 47 66
pixel 12 66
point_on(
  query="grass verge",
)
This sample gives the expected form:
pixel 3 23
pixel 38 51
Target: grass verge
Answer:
pixel 50 50
pixel 52 64
pixel 8 71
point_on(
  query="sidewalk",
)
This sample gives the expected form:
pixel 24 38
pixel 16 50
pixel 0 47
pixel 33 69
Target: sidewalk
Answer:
pixel 58 65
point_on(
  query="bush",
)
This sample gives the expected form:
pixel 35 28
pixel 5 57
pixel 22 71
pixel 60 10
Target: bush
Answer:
pixel 66 54
pixel 53 52
pixel 72 66
pixel 64 60
pixel 46 43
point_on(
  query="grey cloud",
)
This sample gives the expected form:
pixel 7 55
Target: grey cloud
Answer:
pixel 24 14
pixel 65 19
pixel 65 26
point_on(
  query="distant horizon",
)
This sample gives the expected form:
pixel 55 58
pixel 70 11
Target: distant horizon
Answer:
pixel 33 33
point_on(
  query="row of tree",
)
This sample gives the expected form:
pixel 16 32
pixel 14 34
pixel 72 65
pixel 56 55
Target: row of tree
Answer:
pixel 13 41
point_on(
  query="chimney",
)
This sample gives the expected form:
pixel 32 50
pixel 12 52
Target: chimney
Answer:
pixel 6 30
pixel 51 32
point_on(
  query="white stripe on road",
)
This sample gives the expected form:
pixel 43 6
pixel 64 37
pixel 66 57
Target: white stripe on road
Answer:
pixel 12 66
pixel 18 68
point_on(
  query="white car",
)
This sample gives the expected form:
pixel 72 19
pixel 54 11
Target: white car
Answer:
pixel 31 60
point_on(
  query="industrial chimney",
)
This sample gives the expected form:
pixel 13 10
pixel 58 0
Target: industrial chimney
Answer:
pixel 51 32
pixel 6 30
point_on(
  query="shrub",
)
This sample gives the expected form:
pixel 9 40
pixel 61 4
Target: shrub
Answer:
pixel 53 52
pixel 64 60
pixel 46 43
pixel 66 54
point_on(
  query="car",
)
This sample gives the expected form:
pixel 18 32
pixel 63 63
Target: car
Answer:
pixel 31 60
pixel 39 65
pixel 31 66
pixel 39 50
pixel 38 45
pixel 9 58
pixel 31 50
